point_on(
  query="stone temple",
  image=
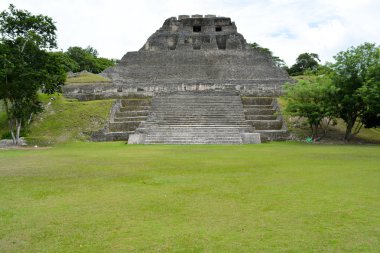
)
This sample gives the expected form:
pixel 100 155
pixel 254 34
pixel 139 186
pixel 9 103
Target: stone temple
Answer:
pixel 195 81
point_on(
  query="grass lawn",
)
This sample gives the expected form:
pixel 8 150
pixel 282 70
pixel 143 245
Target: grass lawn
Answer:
pixel 87 77
pixel 112 197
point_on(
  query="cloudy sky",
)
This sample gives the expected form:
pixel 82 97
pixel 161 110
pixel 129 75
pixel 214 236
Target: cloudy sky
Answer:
pixel 287 27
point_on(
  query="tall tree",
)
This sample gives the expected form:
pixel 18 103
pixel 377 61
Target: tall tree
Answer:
pixel 356 78
pixel 27 67
pixel 305 61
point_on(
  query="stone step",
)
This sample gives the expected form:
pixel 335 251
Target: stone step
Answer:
pixel 193 137
pixel 270 135
pixel 253 111
pixel 198 107
pixel 199 98
pixel 192 142
pixel 135 102
pixel 199 93
pixel 111 136
pixel 257 100
pixel 258 106
pixel 205 100
pixel 123 126
pixel 266 124
pixel 261 117
pixel 194 102
pixel 132 113
pixel 196 118
pixel 193 115
pixel 210 126
pixel 196 122
pixel 190 129
pixel 118 136
pixel 129 119
pixel 154 117
pixel 133 108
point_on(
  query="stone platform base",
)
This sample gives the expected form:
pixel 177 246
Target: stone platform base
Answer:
pixel 247 138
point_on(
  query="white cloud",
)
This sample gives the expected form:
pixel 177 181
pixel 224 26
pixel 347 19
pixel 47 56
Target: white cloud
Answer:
pixel 287 27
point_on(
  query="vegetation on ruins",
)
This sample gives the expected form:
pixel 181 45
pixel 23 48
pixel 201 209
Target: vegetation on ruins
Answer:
pixel 26 66
pixel 277 60
pixel 86 78
pixel 304 62
pixel 65 120
pixel 86 59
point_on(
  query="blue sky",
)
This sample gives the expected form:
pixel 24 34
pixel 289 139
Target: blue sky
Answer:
pixel 287 27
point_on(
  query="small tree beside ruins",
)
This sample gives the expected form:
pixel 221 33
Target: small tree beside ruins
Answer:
pixel 26 67
pixel 311 99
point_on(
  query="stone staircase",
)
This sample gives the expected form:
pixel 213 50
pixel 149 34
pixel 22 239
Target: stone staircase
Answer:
pixel 263 113
pixel 126 115
pixel 196 118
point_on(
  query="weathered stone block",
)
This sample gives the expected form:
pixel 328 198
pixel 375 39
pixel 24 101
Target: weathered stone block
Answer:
pixel 180 17
pixel 250 138
pixel 136 139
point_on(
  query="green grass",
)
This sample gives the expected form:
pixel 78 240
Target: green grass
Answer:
pixel 66 120
pixel 111 197
pixel 87 77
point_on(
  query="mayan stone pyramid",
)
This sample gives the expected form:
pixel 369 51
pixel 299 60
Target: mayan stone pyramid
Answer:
pixel 198 53
pixel 195 81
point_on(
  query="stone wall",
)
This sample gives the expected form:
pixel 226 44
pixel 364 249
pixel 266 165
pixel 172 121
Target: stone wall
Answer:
pixel 196 33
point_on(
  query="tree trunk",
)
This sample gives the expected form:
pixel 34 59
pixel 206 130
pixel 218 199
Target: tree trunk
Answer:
pixel 12 132
pixel 18 129
pixel 348 135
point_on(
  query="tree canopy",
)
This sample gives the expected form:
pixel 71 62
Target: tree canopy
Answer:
pixel 311 99
pixel 356 77
pixel 304 62
pixel 27 67
pixel 87 59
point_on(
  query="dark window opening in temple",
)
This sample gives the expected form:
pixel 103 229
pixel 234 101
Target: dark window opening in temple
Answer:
pixel 197 29
pixel 218 29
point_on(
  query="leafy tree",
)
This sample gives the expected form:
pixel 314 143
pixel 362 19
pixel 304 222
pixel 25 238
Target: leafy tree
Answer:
pixel 311 99
pixel 371 96
pixel 87 59
pixel 304 62
pixel 68 63
pixel 277 60
pixel 356 78
pixel 27 67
